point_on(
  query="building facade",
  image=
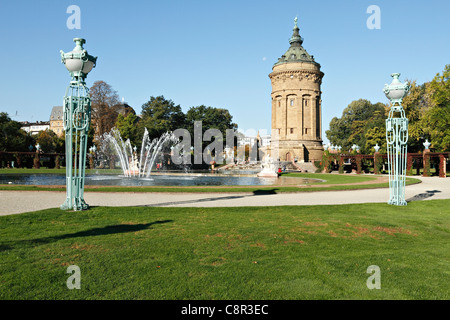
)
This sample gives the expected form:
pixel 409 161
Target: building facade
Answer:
pixel 33 128
pixel 296 104
pixel 56 120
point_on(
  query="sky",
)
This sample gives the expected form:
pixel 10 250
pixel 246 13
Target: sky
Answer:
pixel 217 53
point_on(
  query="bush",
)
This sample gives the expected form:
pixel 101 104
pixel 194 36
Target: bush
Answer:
pixel 57 162
pixel 341 164
pixel 319 166
pixel 378 164
pixel 327 161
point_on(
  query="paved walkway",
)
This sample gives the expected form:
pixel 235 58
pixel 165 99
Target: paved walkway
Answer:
pixel 12 202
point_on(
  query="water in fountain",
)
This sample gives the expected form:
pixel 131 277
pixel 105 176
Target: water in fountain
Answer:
pixel 132 165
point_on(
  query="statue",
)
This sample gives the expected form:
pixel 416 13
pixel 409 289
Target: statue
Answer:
pixel 268 168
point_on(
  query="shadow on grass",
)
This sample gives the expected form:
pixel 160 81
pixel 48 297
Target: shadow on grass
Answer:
pixel 171 203
pixel 114 229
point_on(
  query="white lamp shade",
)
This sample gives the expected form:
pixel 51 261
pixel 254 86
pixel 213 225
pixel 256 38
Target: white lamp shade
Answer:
pixel 396 94
pixel 76 65
pixel 73 65
pixel 88 65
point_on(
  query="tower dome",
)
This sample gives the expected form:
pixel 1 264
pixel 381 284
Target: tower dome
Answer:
pixel 296 52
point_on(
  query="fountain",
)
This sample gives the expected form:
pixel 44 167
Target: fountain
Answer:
pixel 132 165
pixel 268 168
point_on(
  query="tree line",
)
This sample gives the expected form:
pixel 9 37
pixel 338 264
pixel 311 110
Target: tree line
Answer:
pixel 158 115
pixel 427 108
pixel 13 138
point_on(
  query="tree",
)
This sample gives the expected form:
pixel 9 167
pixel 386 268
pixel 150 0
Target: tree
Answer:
pixel 12 138
pixel 159 116
pixel 427 108
pixel 415 105
pixel 436 120
pixel 212 118
pixel 49 141
pixel 105 107
pixel 339 133
pixel 374 136
pixel 128 129
pixel 359 117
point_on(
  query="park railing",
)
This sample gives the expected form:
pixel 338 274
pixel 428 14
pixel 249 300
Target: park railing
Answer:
pixel 20 159
pixel 417 163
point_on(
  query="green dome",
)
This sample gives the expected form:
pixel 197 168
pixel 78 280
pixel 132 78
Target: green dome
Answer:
pixel 296 53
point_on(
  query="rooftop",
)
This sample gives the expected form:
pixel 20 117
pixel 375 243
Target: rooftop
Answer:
pixel 57 113
pixel 296 53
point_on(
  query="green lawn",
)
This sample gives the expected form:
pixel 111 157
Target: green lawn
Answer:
pixel 332 178
pixel 305 252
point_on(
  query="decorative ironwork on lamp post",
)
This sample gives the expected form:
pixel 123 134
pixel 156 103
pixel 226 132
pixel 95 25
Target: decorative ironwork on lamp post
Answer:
pixel 77 118
pixel 397 139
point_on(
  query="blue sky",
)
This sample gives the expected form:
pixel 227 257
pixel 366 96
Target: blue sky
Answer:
pixel 217 53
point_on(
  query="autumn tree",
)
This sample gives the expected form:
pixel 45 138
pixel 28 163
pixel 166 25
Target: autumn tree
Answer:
pixel 105 107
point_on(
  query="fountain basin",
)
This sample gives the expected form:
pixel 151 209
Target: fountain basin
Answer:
pixel 157 179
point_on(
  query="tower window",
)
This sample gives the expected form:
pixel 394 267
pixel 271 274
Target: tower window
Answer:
pixel 279 103
pixel 292 130
pixel 306 130
pixel 306 103
pixel 292 102
pixel 293 56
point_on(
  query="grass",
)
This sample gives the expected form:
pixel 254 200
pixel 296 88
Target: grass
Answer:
pixel 306 252
pixel 341 178
pixel 331 178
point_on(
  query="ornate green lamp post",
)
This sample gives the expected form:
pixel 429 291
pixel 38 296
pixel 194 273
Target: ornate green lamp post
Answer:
pixel 77 117
pixel 397 139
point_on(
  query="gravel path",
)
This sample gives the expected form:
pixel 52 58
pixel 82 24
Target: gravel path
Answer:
pixel 13 202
